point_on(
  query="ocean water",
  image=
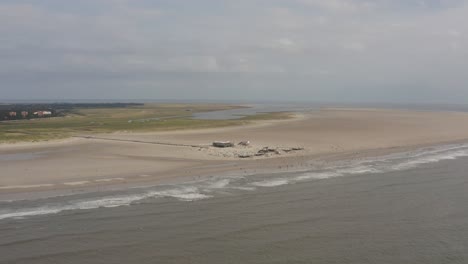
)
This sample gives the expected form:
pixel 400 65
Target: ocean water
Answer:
pixel 257 108
pixel 269 107
pixel 407 207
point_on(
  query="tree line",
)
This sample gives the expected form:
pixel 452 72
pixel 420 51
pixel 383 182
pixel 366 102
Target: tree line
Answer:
pixel 28 111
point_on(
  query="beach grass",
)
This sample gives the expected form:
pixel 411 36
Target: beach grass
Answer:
pixel 146 118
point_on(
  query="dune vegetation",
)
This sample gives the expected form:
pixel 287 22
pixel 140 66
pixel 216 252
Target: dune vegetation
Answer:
pixel 148 117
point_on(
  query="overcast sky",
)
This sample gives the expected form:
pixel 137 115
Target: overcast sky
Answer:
pixel 317 50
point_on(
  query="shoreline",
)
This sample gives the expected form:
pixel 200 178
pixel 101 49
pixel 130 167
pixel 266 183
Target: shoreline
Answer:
pixel 329 136
pixel 206 171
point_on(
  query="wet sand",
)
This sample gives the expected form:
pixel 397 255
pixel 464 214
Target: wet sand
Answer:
pixel 324 135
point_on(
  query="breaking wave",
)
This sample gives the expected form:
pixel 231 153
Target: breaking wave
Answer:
pixel 208 188
pixel 180 193
pixel 271 183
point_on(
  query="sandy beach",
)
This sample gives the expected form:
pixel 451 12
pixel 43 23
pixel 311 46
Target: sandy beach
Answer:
pixel 144 158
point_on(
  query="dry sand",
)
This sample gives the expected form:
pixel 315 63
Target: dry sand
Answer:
pixel 118 159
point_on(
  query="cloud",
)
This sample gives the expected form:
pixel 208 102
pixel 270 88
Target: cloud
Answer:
pixel 342 5
pixel 285 45
pixel 192 63
pixel 310 46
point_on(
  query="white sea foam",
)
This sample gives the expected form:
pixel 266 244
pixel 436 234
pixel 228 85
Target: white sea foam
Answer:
pixel 106 202
pixel 180 193
pixel 243 188
pixel 76 183
pixel 219 184
pixel 317 175
pixel 187 193
pixel 358 170
pixel 430 159
pixel 332 173
pixel 28 212
pixel 109 179
pixel 189 196
pixel 6 187
pixel 271 183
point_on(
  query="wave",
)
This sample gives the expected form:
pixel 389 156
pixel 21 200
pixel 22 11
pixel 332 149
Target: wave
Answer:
pixel 431 159
pixel 76 183
pixel 271 183
pixel 180 193
pixel 6 187
pixel 209 188
pixel 183 194
pixel 219 184
pixel 387 163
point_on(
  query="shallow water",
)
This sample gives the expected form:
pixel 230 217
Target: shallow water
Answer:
pixel 269 107
pixel 402 208
pixel 256 108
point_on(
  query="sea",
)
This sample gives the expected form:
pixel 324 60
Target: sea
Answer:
pixel 407 207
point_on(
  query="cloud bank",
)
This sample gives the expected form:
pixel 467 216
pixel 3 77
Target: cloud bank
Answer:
pixel 318 50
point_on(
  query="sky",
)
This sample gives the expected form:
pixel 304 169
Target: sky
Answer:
pixel 402 51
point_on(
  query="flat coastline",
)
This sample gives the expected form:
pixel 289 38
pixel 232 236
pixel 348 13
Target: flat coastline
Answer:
pixel 139 159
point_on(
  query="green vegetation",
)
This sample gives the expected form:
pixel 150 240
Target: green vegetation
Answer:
pixel 135 118
pixel 268 116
